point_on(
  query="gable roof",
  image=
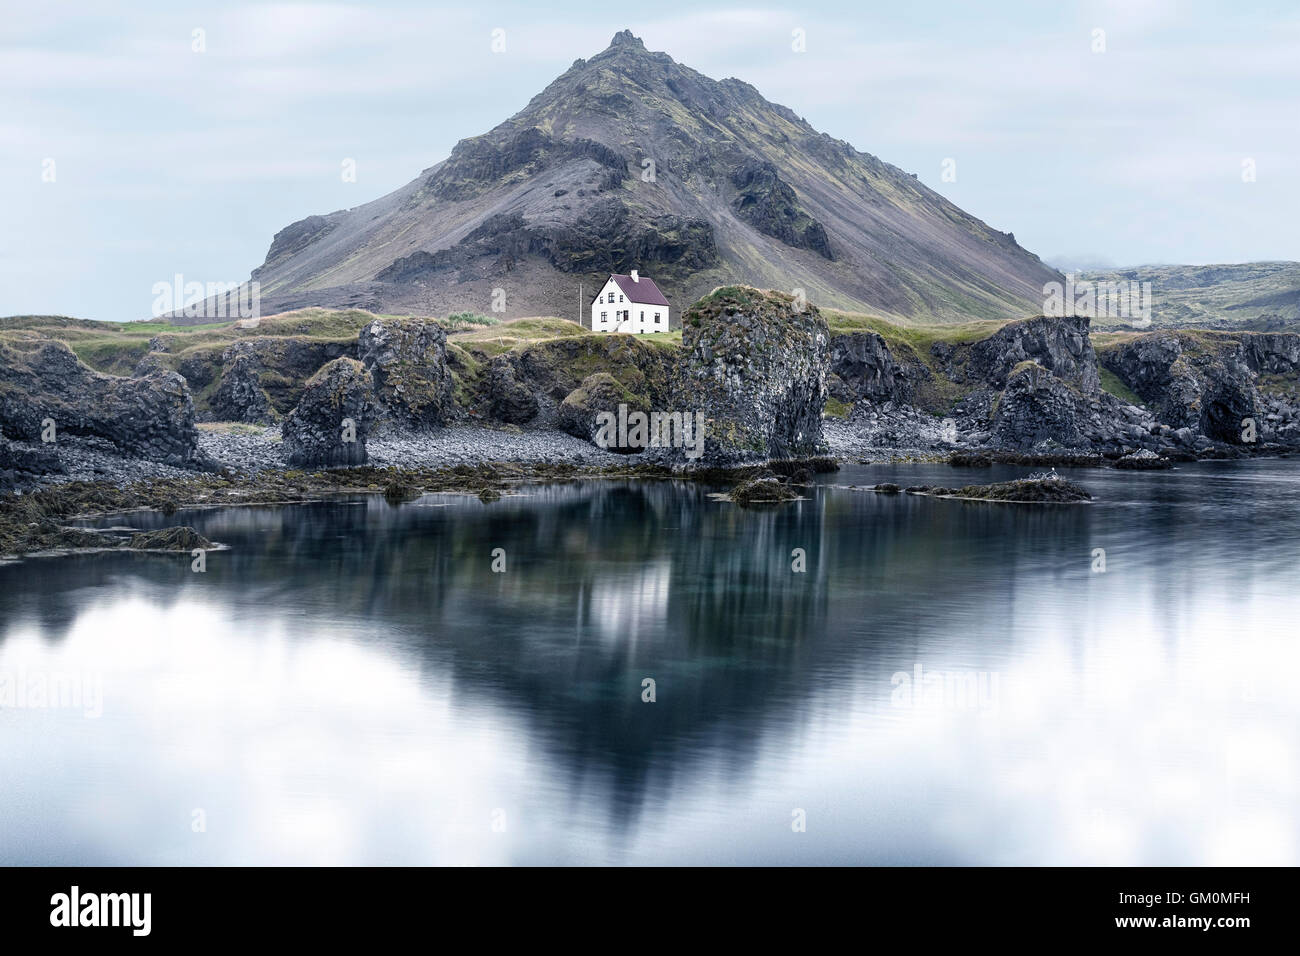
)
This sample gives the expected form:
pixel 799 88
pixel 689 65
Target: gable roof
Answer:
pixel 642 292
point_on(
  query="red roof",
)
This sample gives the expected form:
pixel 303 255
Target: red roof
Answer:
pixel 642 292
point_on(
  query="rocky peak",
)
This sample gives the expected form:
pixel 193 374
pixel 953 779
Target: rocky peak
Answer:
pixel 624 39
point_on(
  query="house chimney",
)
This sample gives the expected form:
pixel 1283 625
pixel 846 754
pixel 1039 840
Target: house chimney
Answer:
pixel 635 277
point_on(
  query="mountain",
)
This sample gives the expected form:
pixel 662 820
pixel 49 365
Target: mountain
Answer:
pixel 630 160
pixel 1258 296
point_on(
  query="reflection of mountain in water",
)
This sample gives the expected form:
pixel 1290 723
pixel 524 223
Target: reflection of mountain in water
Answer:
pixel 606 584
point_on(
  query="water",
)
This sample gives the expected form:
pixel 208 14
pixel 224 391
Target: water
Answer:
pixel 352 683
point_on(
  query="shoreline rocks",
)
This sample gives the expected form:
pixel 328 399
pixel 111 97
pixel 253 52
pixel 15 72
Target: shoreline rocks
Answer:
pixel 757 364
pixel 1036 489
pixel 46 390
pixel 329 426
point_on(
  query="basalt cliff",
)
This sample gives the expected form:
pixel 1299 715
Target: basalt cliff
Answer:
pixel 770 375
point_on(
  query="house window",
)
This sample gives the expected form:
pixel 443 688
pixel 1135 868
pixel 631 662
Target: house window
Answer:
pixel 656 318
pixel 620 297
pixel 604 316
pixel 602 299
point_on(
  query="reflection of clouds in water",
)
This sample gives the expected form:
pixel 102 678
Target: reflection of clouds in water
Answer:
pixel 1143 716
pixel 1127 751
pixel 299 751
pixel 310 742
pixel 628 603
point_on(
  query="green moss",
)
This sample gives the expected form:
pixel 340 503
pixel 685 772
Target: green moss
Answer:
pixel 465 320
pixel 837 409
pixel 231 428
pixel 498 339
pixel 113 357
pixel 1110 382
pixel 734 299
pixel 581 395
pixel 918 336
pixel 666 340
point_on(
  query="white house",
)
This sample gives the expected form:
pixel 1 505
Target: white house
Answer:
pixel 630 303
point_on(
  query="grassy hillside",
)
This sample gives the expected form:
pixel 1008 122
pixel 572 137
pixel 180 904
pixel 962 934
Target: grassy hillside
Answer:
pixel 1258 296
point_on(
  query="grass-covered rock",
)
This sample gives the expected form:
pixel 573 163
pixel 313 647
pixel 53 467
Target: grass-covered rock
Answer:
pixel 582 408
pixel 762 491
pixel 755 364
pixel 1050 490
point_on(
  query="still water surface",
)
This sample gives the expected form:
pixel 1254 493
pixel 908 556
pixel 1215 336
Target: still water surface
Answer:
pixel 352 683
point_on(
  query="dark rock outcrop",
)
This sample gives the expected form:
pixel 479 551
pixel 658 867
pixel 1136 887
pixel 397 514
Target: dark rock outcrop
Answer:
pixel 529 385
pixel 1199 380
pixel 240 396
pixel 769 204
pixel 1037 384
pixel 284 364
pixel 505 398
pixel 1060 345
pixel 150 363
pixel 863 367
pixel 1272 353
pixel 1036 406
pixel 611 237
pixel 151 417
pixel 407 359
pixel 294 238
pixel 479 163
pixel 317 433
pixel 22 464
pixel 756 367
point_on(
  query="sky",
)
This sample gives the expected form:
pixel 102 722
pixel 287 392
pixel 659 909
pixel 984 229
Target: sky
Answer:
pixel 142 141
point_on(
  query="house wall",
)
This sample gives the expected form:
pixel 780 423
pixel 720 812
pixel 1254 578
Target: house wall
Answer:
pixel 640 318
